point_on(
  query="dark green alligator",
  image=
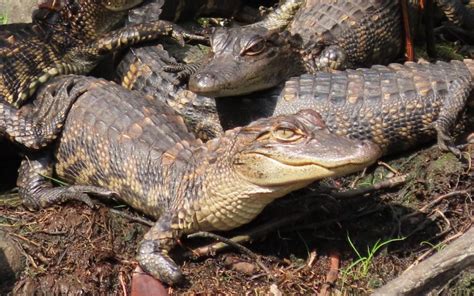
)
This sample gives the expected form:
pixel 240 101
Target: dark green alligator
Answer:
pixel 121 144
pixel 68 37
pixel 395 106
pixel 322 35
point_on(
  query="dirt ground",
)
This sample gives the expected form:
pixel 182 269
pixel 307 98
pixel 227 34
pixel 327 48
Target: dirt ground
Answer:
pixel 317 239
pixel 17 11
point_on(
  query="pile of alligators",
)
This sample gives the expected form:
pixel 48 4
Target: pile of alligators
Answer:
pixel 296 109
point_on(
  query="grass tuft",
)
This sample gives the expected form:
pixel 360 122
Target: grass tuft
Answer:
pixel 3 19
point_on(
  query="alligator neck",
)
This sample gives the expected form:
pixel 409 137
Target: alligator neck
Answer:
pixel 215 196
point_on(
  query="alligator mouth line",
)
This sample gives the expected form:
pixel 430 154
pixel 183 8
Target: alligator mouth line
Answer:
pixel 337 164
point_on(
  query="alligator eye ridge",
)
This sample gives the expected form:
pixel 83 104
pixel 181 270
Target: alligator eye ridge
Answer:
pixel 255 48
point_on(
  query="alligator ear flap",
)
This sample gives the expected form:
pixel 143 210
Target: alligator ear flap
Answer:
pixel 312 117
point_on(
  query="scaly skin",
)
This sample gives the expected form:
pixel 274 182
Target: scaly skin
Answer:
pixel 140 70
pixel 118 143
pixel 457 13
pixel 321 35
pixel 70 37
pixel 332 34
pixel 395 106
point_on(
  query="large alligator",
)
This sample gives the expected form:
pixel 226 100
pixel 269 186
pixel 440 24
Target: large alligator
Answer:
pixel 121 144
pixel 320 35
pixel 394 106
pixel 68 37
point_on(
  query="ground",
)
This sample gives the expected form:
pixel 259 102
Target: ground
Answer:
pixel 320 240
pixel 16 11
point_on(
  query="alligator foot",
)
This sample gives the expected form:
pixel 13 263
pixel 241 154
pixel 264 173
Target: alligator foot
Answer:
pixel 453 104
pixel 37 191
pixel 35 126
pixel 445 142
pixel 183 71
pixel 332 57
pixel 153 252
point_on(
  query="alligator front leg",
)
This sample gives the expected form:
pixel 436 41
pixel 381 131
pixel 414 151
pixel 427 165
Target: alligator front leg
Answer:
pixel 35 126
pixel 134 34
pixel 83 59
pixel 453 104
pixel 153 251
pixel 38 192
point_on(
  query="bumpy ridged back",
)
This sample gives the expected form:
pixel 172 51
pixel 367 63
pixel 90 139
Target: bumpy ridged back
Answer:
pixel 393 105
pixel 369 30
pixel 126 142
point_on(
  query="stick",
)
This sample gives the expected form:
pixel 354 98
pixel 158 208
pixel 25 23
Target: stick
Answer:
pixel 387 184
pixel 235 245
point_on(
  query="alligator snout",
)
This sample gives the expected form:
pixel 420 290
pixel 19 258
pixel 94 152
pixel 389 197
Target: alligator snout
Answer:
pixel 203 83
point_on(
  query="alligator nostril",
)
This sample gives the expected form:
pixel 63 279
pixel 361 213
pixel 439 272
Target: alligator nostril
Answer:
pixel 202 81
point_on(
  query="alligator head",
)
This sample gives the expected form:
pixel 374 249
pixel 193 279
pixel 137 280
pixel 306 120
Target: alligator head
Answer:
pixel 245 60
pixel 249 167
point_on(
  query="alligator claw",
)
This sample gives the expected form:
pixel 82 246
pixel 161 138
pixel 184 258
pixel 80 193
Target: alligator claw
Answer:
pixel 157 263
pixel 183 71
pixel 180 35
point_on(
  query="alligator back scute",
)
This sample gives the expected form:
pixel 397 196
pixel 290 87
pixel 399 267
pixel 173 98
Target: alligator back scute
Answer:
pixel 369 30
pixel 393 105
pixel 128 138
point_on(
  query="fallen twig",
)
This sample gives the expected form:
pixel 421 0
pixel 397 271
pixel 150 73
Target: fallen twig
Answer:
pixel 387 184
pixel 122 284
pixel 332 275
pixel 427 253
pixel 441 197
pixel 235 245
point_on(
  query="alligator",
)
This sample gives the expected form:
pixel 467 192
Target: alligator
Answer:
pixel 116 143
pixel 395 106
pixel 69 37
pixel 322 35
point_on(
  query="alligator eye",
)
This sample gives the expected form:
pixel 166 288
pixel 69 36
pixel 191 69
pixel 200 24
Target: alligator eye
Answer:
pixel 286 134
pixel 255 48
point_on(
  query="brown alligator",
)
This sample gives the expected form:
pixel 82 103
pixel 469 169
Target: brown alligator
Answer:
pixel 121 144
pixel 394 106
pixel 322 35
pixel 68 37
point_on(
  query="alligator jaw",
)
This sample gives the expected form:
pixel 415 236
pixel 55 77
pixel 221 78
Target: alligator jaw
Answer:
pixel 341 156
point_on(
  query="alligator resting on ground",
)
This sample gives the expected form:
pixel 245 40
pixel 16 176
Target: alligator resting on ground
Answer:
pixel 396 106
pixel 68 37
pixel 320 35
pixel 118 143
